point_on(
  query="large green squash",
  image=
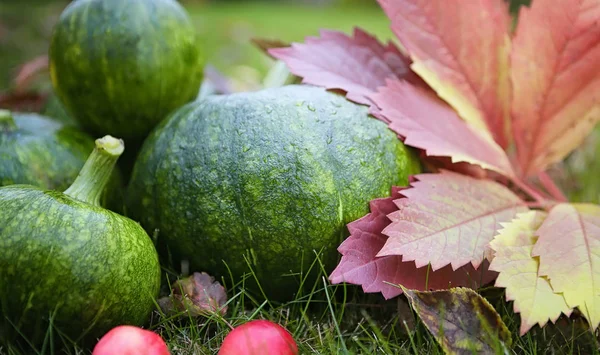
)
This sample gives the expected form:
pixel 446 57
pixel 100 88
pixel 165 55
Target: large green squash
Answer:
pixel 40 151
pixel 68 262
pixel 264 180
pixel 120 66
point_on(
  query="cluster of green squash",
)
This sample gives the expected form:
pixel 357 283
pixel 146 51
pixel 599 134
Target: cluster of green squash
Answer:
pixel 259 183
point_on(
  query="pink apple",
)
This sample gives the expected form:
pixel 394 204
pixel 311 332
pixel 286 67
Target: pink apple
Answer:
pixel 259 337
pixel 130 340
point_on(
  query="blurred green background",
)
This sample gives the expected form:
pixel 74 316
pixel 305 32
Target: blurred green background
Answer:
pixel 226 28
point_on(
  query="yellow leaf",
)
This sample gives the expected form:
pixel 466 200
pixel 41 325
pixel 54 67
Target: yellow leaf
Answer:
pixel 569 252
pixel 533 296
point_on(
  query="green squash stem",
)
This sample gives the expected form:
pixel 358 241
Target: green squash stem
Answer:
pixel 7 122
pixel 96 172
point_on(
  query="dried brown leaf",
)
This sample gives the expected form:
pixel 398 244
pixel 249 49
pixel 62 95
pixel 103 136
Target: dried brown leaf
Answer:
pixel 461 320
pixel 198 295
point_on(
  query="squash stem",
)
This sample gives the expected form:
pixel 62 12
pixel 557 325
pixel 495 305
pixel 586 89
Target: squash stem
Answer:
pixel 96 172
pixel 7 122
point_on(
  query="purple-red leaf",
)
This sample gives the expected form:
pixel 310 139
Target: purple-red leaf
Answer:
pixel 359 264
pixel 556 80
pixel 358 64
pixel 429 124
pixel 449 219
pixel 461 49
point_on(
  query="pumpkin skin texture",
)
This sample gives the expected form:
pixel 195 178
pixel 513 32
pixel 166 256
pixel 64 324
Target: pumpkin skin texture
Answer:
pixel 40 151
pixel 120 66
pixel 266 178
pixel 64 257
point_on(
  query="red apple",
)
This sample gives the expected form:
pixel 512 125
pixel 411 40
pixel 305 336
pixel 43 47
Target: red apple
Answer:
pixel 259 337
pixel 130 340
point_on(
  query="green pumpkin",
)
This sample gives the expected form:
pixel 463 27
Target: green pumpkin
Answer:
pixel 264 181
pixel 120 66
pixel 66 260
pixel 43 152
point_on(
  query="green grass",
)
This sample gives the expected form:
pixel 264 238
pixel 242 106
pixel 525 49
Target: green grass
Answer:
pixel 227 30
pixel 339 319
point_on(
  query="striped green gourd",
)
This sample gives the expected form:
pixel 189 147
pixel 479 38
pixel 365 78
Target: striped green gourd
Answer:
pixel 263 180
pixel 67 261
pixel 41 151
pixel 120 66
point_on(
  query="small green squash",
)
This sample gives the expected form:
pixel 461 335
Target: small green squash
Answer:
pixel 65 260
pixel 120 66
pixel 40 151
pixel 264 181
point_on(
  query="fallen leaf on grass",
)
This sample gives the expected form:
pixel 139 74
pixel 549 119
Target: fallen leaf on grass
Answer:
pixel 461 320
pixel 197 295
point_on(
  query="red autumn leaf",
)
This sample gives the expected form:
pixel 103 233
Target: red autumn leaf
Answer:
pixel 429 124
pixel 358 64
pixel 359 264
pixel 556 80
pixel 461 49
pixel 449 218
